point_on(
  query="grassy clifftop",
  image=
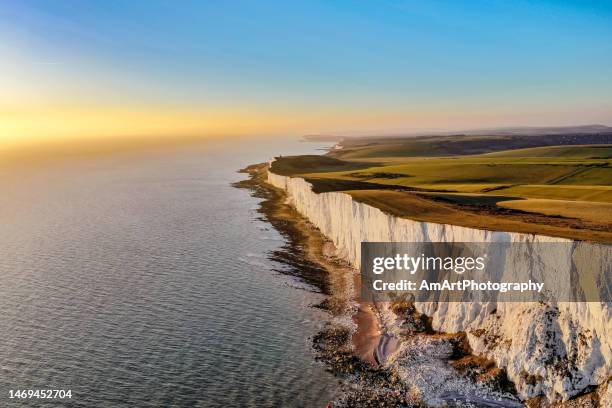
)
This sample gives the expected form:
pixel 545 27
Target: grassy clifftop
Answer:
pixel 561 190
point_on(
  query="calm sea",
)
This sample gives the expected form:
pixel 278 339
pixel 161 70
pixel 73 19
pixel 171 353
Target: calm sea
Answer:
pixel 142 279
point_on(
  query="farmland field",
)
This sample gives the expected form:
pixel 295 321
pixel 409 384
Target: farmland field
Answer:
pixel 560 190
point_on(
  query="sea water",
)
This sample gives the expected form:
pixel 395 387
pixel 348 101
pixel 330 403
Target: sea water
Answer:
pixel 142 279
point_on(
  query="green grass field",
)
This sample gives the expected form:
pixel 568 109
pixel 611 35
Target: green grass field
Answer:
pixel 563 190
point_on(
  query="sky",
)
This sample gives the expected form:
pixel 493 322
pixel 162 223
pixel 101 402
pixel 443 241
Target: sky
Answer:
pixel 114 69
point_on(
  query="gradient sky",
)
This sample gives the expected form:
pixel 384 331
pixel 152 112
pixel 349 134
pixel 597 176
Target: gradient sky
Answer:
pixel 117 68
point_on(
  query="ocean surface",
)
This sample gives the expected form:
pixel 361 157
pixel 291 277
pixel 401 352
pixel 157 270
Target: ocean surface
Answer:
pixel 142 279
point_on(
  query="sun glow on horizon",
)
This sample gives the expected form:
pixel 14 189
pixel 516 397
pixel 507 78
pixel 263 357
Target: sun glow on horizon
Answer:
pixel 76 124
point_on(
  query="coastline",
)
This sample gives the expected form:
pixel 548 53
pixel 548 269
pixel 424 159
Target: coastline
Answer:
pixel 445 370
pixel 349 341
pixel 354 345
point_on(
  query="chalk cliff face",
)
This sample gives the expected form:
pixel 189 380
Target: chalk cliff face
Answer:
pixel 558 351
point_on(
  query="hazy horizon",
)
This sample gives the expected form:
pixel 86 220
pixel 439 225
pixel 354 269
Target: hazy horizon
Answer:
pixel 82 71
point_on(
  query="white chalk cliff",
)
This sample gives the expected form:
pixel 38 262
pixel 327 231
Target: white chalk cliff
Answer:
pixel 558 351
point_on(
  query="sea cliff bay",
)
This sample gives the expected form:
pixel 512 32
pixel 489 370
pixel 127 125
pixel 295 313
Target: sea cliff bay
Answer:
pixel 355 345
pixel 433 354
